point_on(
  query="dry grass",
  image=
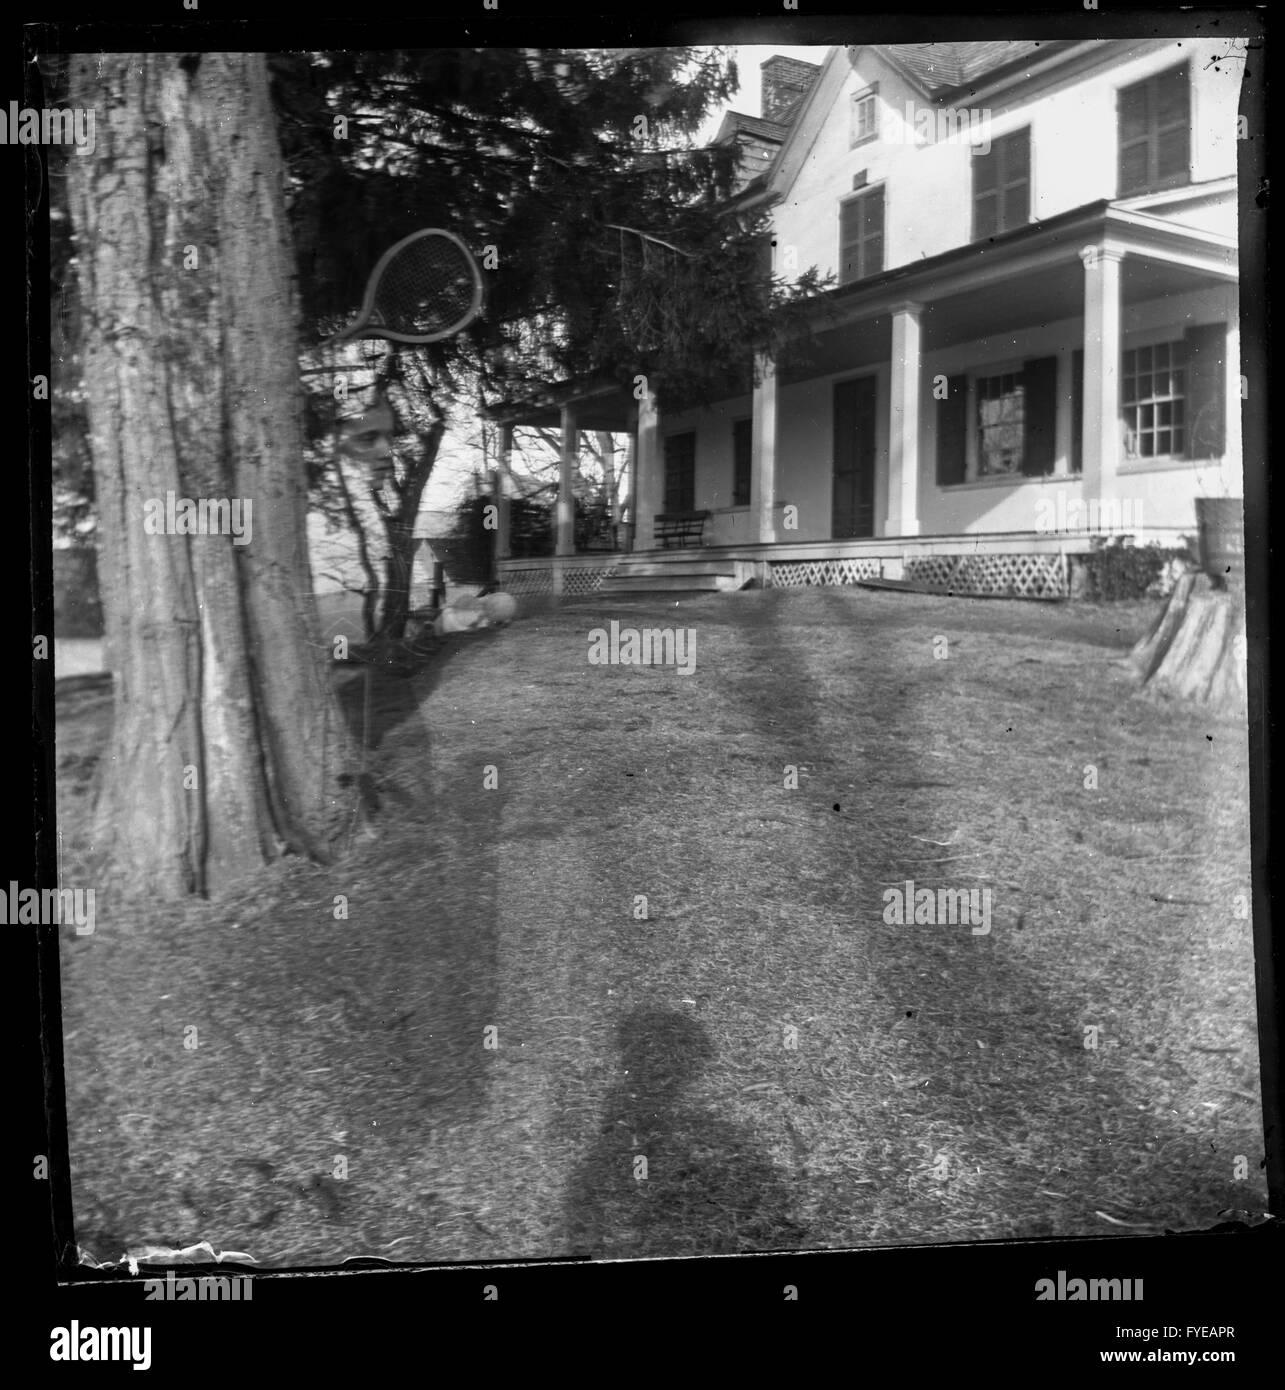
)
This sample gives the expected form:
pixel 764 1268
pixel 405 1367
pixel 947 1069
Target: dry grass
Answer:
pixel 795 1071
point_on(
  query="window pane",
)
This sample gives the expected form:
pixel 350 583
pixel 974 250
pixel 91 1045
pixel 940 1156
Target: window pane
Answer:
pixel 866 118
pixel 1000 424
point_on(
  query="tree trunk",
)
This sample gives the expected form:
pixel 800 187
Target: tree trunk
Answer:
pixel 228 746
pixel 1196 650
pixel 399 531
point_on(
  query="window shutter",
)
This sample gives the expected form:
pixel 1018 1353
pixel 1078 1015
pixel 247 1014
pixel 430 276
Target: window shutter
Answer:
pixel 1017 179
pixel 1002 186
pixel 952 433
pixel 1173 126
pixel 1039 380
pixel 1206 412
pixel 850 241
pixel 1154 119
pixel 985 194
pixel 861 236
pixel 872 259
pixel 1077 411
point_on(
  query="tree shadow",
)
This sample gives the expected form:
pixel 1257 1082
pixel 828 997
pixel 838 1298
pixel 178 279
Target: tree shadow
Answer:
pixel 668 1176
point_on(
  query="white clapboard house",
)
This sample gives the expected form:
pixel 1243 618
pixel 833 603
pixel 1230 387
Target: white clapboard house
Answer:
pixel 1032 339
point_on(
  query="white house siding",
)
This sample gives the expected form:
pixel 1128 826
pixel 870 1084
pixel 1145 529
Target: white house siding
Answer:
pixel 928 194
pixel 1160 493
pixel 1016 506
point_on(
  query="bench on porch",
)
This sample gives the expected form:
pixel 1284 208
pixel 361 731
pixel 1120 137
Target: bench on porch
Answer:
pixel 677 529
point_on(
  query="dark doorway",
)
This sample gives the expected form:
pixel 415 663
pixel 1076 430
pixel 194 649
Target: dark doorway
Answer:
pixel 680 472
pixel 854 458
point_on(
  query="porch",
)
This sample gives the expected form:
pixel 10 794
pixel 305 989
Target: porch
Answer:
pixel 1024 565
pixel 868 453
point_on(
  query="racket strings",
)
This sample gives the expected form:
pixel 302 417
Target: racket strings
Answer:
pixel 427 288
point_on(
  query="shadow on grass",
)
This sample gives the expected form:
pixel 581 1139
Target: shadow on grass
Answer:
pixel 668 1176
pixel 977 1057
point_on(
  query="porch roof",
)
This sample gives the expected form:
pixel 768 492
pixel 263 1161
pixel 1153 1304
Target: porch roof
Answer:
pixel 600 405
pixel 1031 275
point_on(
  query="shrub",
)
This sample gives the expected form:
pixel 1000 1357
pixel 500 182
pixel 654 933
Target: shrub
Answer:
pixel 1116 569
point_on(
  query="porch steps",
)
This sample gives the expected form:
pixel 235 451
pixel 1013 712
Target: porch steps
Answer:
pixel 678 576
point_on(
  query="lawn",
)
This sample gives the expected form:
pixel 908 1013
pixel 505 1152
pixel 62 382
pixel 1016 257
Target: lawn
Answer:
pixel 499 1055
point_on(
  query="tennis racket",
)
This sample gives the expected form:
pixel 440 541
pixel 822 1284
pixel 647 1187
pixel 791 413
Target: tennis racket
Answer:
pixel 425 288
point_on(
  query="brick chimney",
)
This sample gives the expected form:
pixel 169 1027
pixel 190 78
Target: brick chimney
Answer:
pixel 786 81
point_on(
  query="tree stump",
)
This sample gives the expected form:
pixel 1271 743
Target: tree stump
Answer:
pixel 1196 649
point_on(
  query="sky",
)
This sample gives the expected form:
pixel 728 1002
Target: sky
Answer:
pixel 748 59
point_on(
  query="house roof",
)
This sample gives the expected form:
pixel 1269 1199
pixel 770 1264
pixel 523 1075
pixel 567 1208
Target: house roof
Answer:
pixel 737 123
pixel 942 67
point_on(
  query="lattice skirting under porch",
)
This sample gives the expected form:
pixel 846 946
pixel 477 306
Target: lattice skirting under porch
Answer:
pixel 585 579
pixel 578 579
pixel 532 581
pixel 1019 576
pixel 796 574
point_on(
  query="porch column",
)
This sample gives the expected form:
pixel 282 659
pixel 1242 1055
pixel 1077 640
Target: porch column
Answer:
pixel 903 421
pixel 566 472
pixel 763 450
pixel 1101 370
pixel 648 482
pixel 503 488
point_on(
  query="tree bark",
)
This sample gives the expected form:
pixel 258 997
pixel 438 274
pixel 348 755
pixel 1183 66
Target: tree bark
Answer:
pixel 228 746
pixel 399 533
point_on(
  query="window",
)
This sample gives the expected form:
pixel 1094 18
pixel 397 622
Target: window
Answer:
pixel 680 472
pixel 861 236
pixel 1155 133
pixel 1000 416
pixel 1153 400
pixel 1002 185
pixel 865 117
pixel 742 441
pixel 1001 425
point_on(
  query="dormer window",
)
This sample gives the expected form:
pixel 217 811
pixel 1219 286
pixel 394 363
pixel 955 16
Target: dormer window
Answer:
pixel 1155 133
pixel 1002 185
pixel 865 117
